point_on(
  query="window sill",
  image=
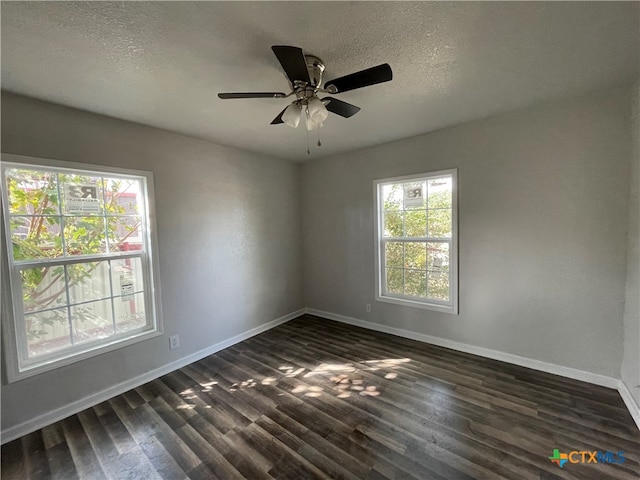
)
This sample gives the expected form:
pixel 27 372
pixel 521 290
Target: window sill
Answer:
pixel 452 310
pixel 14 375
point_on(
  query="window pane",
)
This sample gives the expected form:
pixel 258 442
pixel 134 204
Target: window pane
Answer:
pixel 439 192
pixel 124 196
pixel 394 254
pixel 415 283
pixel 415 255
pixel 92 321
pixel 392 196
pixel 414 195
pixel 438 274
pixel 32 192
pixel 438 286
pixel 392 224
pixel 130 314
pixel 47 331
pixel 127 276
pixel 394 280
pixel 35 237
pixel 415 223
pixel 84 235
pixel 439 223
pixel 125 233
pixel 88 281
pixel 438 256
pixel 43 288
pixel 81 194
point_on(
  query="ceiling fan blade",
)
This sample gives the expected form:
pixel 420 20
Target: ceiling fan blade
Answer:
pixel 278 119
pixel 227 96
pixel 293 62
pixel 339 107
pixel 364 78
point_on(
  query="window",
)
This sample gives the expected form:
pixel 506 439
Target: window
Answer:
pixel 416 241
pixel 79 260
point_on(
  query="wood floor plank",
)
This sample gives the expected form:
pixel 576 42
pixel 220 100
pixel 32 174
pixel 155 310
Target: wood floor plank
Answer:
pixel 35 458
pixel 131 465
pixel 12 465
pixel 61 462
pixel 176 447
pixel 83 455
pixel 314 399
pixel 101 442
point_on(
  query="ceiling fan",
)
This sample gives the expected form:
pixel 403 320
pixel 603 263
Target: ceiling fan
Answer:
pixel 305 77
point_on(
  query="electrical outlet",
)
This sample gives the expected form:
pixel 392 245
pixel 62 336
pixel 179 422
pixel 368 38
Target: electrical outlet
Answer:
pixel 174 342
pixel 367 307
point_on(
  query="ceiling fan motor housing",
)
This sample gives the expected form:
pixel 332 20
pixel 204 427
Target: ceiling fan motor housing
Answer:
pixel 305 91
pixel 315 67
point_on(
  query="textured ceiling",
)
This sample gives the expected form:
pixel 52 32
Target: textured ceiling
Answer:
pixel 162 63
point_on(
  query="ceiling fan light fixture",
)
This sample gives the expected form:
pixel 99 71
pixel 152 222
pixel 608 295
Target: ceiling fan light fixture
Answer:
pixel 291 115
pixel 311 125
pixel 318 113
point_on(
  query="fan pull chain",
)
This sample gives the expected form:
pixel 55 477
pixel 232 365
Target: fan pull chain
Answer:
pixel 319 144
pixel 306 111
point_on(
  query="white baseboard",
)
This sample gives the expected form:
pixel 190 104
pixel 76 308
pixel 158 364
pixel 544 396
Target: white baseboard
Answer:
pixel 58 414
pixel 630 402
pixel 568 372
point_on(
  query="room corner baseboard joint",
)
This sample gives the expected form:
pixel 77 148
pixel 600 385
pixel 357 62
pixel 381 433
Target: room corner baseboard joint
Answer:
pixel 630 402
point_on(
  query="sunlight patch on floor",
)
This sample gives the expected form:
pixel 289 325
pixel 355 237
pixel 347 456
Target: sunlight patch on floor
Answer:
pixel 250 383
pixel 344 379
pixel 330 368
pixel 204 387
pixel 291 371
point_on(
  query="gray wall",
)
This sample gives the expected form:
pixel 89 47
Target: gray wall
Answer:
pixel 631 359
pixel 228 232
pixel 543 196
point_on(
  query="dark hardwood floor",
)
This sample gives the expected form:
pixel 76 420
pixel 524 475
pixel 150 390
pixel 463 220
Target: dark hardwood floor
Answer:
pixel 317 399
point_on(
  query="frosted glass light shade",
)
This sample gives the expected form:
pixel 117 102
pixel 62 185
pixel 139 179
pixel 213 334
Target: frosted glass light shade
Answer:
pixel 291 115
pixel 317 111
pixel 311 125
pixel 315 114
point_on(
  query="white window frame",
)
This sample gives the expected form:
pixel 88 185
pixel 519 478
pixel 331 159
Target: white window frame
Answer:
pixel 380 278
pixel 18 366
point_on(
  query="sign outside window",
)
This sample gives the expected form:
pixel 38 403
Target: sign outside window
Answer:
pixel 413 196
pixel 81 198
